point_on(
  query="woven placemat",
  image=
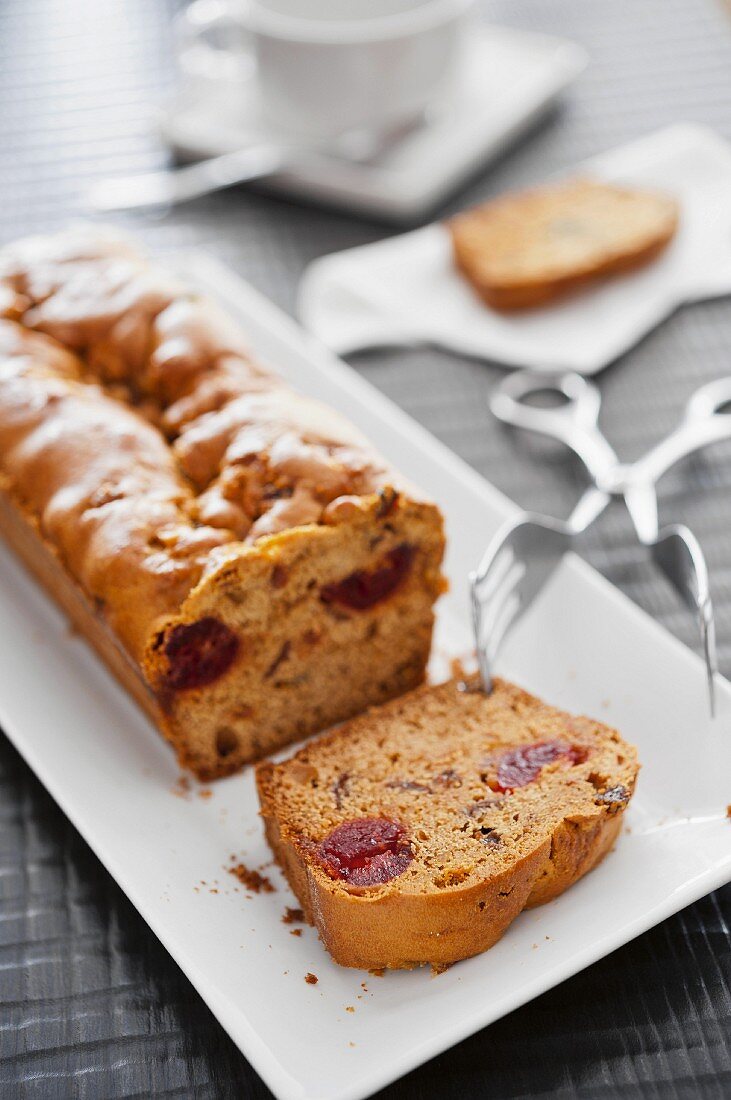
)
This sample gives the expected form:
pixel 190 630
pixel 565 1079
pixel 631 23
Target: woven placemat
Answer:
pixel 90 1003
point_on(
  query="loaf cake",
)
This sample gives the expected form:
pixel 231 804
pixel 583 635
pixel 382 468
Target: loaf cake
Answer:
pixel 418 831
pixel 245 563
pixel 530 248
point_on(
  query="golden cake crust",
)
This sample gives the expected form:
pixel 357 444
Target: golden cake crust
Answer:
pixel 226 543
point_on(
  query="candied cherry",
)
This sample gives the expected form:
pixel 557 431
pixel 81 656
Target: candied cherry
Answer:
pixel 366 852
pixel 198 653
pixel 521 766
pixel 366 587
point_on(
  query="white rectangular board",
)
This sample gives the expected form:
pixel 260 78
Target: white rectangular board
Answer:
pixel 584 646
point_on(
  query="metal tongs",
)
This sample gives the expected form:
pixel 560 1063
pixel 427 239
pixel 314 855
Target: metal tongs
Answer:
pixel 525 552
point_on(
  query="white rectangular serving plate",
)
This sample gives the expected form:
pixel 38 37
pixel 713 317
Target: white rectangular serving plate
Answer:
pixel 584 646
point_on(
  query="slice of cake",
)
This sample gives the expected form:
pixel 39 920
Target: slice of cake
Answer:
pixel 417 832
pixel 527 249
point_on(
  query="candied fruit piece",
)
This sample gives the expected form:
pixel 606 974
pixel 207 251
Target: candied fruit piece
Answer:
pixel 615 798
pixel 366 852
pixel 366 587
pixel 522 765
pixel 279 576
pixel 448 778
pixel 409 785
pixel 340 789
pixel 387 502
pixel 477 809
pixel 198 653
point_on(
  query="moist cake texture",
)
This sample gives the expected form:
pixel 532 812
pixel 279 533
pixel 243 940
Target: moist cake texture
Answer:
pixel 248 566
pixel 417 832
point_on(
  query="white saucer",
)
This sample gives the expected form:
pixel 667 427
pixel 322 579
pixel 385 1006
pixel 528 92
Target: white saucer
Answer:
pixel 508 79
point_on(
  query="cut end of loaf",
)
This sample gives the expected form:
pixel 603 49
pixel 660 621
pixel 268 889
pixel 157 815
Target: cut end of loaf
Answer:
pixel 419 831
pixel 305 629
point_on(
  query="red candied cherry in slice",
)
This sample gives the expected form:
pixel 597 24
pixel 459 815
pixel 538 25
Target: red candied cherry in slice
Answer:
pixel 521 766
pixel 198 653
pixel 367 587
pixel 367 851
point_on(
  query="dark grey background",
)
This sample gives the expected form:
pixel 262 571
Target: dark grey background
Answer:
pixel 90 1003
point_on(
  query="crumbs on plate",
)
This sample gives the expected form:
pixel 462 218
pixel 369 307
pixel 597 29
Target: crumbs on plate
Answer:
pixel 253 880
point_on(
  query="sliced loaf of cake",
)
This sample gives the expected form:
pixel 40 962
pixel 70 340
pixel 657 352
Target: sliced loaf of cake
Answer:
pixel 417 832
pixel 246 564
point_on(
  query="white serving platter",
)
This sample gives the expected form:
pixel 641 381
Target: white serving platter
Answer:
pixel 584 646
pixel 507 80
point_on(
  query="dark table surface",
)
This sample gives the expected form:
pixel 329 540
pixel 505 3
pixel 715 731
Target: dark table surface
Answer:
pixel 90 1003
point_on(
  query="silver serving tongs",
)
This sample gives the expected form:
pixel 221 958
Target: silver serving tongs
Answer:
pixel 524 553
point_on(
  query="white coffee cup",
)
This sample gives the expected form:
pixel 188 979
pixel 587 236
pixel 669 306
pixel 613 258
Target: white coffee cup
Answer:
pixel 324 67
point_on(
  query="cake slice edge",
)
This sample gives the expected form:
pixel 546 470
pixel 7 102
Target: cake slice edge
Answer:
pixel 395 925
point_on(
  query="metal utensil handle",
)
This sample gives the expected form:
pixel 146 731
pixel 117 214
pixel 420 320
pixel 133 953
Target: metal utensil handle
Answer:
pixel 573 423
pixel 483 662
pixel 703 423
pixel 680 556
pixel 172 186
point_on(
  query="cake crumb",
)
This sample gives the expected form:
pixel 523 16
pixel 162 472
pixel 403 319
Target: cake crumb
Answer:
pixel 379 972
pixel 439 968
pixel 295 931
pixel 293 916
pixel 252 880
pixel 351 1044
pixel 205 792
pixel 182 787
pixel 349 1008
pixel 457 669
pixel 728 810
pixel 311 979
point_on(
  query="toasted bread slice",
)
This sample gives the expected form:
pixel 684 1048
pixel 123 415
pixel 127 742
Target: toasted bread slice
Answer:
pixel 417 832
pixel 527 249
